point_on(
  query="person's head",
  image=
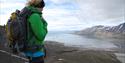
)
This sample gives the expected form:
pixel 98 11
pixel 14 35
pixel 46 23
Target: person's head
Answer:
pixel 36 3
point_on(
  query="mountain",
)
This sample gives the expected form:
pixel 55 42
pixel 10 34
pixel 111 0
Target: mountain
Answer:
pixel 119 29
pixel 105 31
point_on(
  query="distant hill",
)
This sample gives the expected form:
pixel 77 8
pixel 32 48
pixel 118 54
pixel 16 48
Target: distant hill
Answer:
pixel 105 31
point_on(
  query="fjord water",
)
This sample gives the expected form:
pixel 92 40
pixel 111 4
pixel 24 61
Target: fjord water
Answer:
pixel 80 41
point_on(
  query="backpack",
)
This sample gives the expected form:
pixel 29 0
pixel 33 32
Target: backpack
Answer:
pixel 16 29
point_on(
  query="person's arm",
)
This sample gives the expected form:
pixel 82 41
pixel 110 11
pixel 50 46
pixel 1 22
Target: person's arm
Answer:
pixel 37 26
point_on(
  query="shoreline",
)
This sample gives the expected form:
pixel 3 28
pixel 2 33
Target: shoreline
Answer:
pixel 68 54
pixel 59 53
pixel 120 43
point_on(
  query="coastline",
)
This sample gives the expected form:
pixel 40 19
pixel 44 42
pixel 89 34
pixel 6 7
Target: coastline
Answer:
pixel 58 53
pixel 120 43
pixel 65 54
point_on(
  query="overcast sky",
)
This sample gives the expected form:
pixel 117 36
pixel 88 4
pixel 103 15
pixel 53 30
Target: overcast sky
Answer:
pixel 72 14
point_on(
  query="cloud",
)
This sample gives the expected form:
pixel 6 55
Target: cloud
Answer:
pixel 73 14
pixel 59 1
pixel 86 12
pixel 61 15
pixel 13 1
pixel 101 10
pixel 11 5
pixel 61 19
pixel 4 18
pixel 7 7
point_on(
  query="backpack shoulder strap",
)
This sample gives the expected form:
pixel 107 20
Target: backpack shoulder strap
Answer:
pixel 25 12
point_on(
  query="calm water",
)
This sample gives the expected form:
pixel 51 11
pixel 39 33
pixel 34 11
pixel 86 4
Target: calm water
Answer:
pixel 80 41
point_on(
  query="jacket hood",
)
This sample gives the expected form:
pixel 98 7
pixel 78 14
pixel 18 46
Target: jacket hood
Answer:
pixel 34 10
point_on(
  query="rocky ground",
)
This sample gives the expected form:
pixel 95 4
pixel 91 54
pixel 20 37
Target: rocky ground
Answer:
pixel 58 53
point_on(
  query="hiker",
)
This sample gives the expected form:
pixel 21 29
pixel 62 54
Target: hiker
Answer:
pixel 26 31
pixel 37 30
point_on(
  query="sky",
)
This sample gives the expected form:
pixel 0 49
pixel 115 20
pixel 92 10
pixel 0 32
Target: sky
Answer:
pixel 72 14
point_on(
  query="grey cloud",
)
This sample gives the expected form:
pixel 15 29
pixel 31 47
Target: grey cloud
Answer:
pixel 101 11
pixel 88 12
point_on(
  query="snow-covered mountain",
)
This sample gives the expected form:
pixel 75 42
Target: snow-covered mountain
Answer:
pixel 119 29
pixel 105 31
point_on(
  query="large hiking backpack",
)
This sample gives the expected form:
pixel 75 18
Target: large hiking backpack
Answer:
pixel 16 29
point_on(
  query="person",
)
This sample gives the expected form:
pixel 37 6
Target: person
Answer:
pixel 37 30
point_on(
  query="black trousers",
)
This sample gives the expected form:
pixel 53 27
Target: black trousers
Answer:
pixel 36 59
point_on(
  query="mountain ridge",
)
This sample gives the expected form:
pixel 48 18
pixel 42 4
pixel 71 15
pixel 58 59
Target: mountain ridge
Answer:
pixel 105 31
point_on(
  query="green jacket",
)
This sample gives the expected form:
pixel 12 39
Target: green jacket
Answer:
pixel 37 27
